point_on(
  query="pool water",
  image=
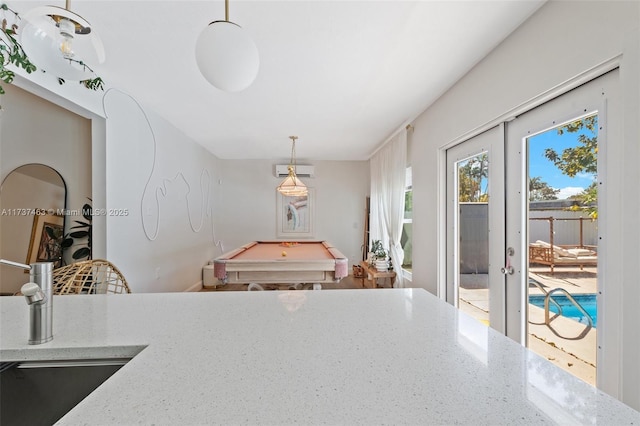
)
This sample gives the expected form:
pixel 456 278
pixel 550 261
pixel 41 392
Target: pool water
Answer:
pixel 569 310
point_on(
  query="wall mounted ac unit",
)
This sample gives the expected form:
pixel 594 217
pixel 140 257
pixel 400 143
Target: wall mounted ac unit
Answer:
pixel 282 170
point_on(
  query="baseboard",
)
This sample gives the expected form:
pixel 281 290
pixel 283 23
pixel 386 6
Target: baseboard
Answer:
pixel 196 287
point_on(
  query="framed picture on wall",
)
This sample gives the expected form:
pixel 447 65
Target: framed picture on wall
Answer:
pixel 46 239
pixel 294 215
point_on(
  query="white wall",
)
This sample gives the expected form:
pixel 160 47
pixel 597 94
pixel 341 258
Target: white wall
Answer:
pixel 34 130
pixel 20 191
pixel 159 213
pixel 247 207
pixel 560 41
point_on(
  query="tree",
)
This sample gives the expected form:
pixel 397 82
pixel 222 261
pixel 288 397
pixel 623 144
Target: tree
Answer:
pixel 580 159
pixel 540 190
pixel 408 202
pixel 588 201
pixel 471 176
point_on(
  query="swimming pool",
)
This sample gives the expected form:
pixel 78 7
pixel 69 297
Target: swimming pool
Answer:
pixel 587 301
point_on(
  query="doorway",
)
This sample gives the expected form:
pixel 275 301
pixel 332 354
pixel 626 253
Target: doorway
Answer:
pixel 538 180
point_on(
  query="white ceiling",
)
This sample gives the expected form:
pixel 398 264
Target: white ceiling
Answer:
pixel 342 75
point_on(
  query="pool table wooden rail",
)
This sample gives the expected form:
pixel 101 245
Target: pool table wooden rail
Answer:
pixel 238 267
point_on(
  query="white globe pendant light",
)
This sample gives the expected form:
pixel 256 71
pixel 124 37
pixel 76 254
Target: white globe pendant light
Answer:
pixel 226 56
pixel 61 42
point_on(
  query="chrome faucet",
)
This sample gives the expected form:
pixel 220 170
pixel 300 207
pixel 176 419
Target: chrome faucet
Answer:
pixel 39 295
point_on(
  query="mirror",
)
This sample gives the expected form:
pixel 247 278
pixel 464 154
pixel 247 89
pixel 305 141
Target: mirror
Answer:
pixel 32 204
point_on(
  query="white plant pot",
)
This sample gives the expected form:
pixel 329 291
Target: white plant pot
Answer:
pixel 381 265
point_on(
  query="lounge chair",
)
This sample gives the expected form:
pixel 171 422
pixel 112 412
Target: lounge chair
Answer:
pixel 544 253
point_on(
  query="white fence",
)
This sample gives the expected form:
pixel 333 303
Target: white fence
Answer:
pixel 568 227
pixel 565 224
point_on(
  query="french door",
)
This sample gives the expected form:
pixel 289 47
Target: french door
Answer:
pixel 475 227
pixel 489 231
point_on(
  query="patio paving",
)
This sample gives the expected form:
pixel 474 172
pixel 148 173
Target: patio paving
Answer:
pixel 562 347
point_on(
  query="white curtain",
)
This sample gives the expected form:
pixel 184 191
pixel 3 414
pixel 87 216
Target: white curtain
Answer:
pixel 388 172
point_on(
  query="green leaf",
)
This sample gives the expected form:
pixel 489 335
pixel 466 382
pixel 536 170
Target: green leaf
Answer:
pixel 51 232
pixel 29 67
pixel 93 84
pixel 79 234
pixel 81 253
pixel 7 76
pixel 87 212
pixel 66 243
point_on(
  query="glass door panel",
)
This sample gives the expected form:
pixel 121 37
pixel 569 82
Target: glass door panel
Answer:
pixel 474 282
pixel 563 245
pixel 553 177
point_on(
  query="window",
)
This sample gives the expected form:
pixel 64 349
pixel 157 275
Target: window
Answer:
pixel 407 239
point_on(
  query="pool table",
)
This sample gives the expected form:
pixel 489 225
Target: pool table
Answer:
pixel 278 262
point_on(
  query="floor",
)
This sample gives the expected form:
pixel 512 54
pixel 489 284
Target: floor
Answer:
pixel 564 342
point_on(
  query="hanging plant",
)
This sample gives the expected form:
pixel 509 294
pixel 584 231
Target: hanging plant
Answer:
pixel 12 53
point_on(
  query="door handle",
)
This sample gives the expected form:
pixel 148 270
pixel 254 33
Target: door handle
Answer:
pixel 508 269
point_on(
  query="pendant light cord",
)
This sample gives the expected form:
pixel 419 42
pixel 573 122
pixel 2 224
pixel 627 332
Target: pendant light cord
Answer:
pixel 293 151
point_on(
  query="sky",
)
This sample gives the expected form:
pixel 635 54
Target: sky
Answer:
pixel 547 171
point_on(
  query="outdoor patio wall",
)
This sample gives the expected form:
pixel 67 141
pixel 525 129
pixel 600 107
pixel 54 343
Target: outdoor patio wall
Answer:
pixel 560 41
pixel 248 207
pixel 565 232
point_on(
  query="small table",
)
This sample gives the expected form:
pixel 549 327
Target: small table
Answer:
pixel 371 274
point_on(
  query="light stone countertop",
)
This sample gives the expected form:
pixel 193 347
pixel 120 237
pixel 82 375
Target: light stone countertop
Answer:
pixel 389 356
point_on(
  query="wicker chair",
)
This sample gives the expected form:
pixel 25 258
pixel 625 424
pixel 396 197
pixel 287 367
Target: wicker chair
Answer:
pixel 94 276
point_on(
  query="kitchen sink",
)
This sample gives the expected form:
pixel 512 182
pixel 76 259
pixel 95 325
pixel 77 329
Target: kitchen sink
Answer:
pixel 41 392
